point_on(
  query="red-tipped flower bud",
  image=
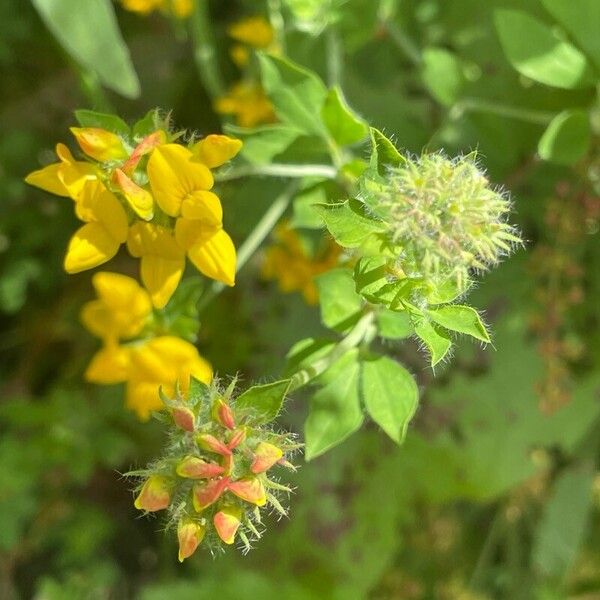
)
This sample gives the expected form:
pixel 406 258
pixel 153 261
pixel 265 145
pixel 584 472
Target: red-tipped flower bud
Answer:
pixel 190 534
pixel 193 467
pixel 184 418
pixel 211 443
pixel 265 456
pixel 227 521
pixel 250 489
pixel 205 494
pixel 222 413
pixel 154 495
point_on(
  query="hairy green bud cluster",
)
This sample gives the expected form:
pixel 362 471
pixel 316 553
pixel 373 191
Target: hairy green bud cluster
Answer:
pixel 216 474
pixel 444 220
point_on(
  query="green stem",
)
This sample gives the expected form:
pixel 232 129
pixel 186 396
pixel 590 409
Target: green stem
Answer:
pixel 254 240
pixel 277 22
pixel 403 42
pixel 276 170
pixel 92 88
pixel 511 112
pixel 487 550
pixel 356 335
pixel 204 50
pixel 334 57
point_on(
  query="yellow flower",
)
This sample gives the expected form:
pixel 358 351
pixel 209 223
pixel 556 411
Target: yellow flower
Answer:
pixel 248 103
pixel 105 230
pixel 289 262
pixel 100 144
pixel 162 260
pixel 181 186
pixel 121 310
pixel 254 31
pixel 215 150
pixel 64 178
pixel 162 362
pixel 179 8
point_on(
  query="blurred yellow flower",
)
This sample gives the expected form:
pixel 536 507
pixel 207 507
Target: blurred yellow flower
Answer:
pixel 254 31
pixel 121 312
pixel 178 8
pixel 151 193
pixel 289 262
pixel 248 103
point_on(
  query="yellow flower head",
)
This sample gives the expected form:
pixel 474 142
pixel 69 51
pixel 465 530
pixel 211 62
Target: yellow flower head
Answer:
pixel 152 192
pixel 253 31
pixel 248 103
pixel 178 8
pixel 289 262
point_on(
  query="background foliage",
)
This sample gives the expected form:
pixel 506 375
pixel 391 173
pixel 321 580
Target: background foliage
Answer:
pixel 495 492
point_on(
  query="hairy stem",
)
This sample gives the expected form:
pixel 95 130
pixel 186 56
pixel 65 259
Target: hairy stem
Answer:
pixel 356 335
pixel 510 112
pixel 276 170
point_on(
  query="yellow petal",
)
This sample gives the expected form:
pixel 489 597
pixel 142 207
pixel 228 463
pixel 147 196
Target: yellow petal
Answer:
pixel 215 257
pixel 203 206
pixel 254 31
pixel 154 495
pixel 90 246
pixel 100 144
pixel 137 197
pixel 227 521
pixel 109 365
pixel 189 535
pixel 182 8
pixel 240 55
pixel 173 175
pixel 215 150
pixel 142 397
pixel 161 277
pixel 48 180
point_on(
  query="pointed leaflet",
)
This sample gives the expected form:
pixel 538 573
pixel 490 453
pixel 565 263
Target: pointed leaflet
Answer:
pixel 390 395
pixel 263 402
pixel 344 125
pixel 340 304
pixel 437 343
pixel 567 138
pixel 463 319
pixel 335 411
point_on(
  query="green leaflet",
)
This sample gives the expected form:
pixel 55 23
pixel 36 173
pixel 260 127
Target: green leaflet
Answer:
pixel 340 304
pixel 263 402
pixel 463 319
pixel 567 138
pixel 343 124
pixel 390 395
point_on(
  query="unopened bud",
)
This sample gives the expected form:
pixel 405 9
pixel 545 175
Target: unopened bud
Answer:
pixel 222 413
pixel 211 443
pixel 190 534
pixel 205 494
pixel 237 438
pixel 250 489
pixel 192 467
pixel 184 418
pixel 265 456
pixel 154 495
pixel 227 521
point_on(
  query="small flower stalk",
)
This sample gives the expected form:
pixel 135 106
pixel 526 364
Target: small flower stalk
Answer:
pixel 218 471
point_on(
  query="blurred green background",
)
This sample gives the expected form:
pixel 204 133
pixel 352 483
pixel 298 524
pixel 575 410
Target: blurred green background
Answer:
pixel 495 493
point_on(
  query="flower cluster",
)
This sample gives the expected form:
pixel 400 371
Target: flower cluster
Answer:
pixel 291 263
pixel 150 192
pixel 215 475
pixel 443 219
pixel 178 8
pixel 245 99
pixel 123 319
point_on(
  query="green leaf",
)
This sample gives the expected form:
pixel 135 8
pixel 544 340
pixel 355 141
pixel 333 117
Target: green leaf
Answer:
pixel 348 222
pixel 463 319
pixel 442 74
pixel 335 411
pixel 371 278
pixel 198 392
pixel 567 138
pixel 263 144
pixel 383 152
pixel 390 395
pixel 90 118
pixel 305 214
pixel 148 124
pixel 394 325
pixel 89 32
pixel 562 529
pixel 296 93
pixel 344 125
pixel 340 304
pixel 534 50
pixel 263 402
pixel 581 20
pixel 437 342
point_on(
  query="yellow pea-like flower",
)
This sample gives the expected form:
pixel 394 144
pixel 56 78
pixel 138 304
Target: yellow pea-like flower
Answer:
pixel 162 260
pixel 174 176
pixel 121 310
pixel 110 365
pixel 100 144
pixel 215 150
pixel 105 230
pixel 254 31
pixel 64 178
pixel 247 102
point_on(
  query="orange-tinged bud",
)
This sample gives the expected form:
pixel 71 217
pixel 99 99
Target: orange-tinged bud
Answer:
pixel 190 534
pixel 144 147
pixel 222 413
pixel 138 198
pixel 205 494
pixel 227 463
pixel 99 143
pixel 211 443
pixel 227 521
pixel 265 456
pixel 250 489
pixel 183 417
pixel 193 467
pixel 237 438
pixel 154 495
